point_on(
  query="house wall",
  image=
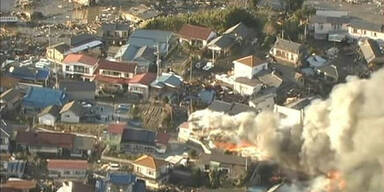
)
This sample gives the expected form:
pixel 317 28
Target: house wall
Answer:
pixel 241 70
pixel 54 55
pixel 117 74
pixel 140 89
pixel 44 149
pixel 267 104
pixel 4 144
pixel 360 33
pixel 67 173
pixel 47 119
pixel 137 148
pixel 184 134
pixel 243 89
pixel 79 69
pixel 70 117
pixel 285 55
pixel 323 29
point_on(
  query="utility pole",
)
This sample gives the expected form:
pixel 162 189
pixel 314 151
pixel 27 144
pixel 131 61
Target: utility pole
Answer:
pixel 158 62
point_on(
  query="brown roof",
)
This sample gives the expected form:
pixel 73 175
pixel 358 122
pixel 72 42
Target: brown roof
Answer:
pixel 80 58
pixel 64 140
pixel 18 185
pixel 194 32
pixel 149 161
pixel 117 66
pixel 7 82
pixel 67 164
pixel 144 78
pixel 251 61
pixel 117 128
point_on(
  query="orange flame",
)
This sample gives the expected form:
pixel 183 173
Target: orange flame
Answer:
pixel 235 147
pixel 336 182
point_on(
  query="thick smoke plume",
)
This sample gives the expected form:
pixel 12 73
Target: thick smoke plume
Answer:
pixel 344 132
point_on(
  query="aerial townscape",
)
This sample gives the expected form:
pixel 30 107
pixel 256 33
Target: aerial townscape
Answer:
pixel 192 96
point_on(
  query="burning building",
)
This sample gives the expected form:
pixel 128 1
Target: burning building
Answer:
pixel 343 133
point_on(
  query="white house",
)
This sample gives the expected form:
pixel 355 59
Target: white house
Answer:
pixel 249 66
pixel 287 51
pixel 153 171
pixel 264 101
pixel 360 29
pixel 196 35
pixel 185 131
pixel 49 115
pixel 4 139
pixel 245 86
pixel 140 84
pixel 59 168
pixel 325 25
pixel 289 116
pixel 71 112
pixel 80 65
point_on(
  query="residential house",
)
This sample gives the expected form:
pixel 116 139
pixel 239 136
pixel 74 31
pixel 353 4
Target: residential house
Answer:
pixel 79 65
pixel 114 135
pixel 371 51
pixel 60 168
pixel 229 108
pixel 45 142
pixel 245 86
pixel 234 166
pixel 140 84
pixel 324 25
pixel 115 33
pixel 240 32
pixel 196 35
pixel 85 43
pixel 71 112
pixel 49 115
pixel 57 52
pixel 144 56
pixel 222 45
pixel 13 168
pixel 76 186
pixel 5 138
pixel 329 73
pixel 29 75
pixel 287 51
pixel 153 171
pixel 11 99
pixel 83 146
pixel 289 116
pixel 78 90
pixel 364 29
pixel 264 100
pixel 138 140
pixel 185 132
pixel 166 84
pixel 18 185
pixel 278 5
pixel 140 13
pixel 269 78
pixel 249 66
pixel 38 98
pixel 7 82
pixel 116 182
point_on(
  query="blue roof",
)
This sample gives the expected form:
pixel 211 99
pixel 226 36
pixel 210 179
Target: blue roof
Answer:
pixel 168 79
pixel 27 73
pixel 122 178
pixel 151 38
pixel 40 97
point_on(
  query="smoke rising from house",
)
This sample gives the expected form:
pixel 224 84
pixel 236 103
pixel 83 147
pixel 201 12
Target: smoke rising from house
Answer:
pixel 343 133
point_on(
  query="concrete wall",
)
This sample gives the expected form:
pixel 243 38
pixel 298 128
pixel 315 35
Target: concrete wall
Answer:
pixel 47 119
pixel 360 33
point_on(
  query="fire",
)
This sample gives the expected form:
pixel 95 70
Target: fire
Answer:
pixel 245 148
pixel 336 182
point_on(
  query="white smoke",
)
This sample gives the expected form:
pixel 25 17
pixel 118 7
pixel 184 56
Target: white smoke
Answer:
pixel 344 132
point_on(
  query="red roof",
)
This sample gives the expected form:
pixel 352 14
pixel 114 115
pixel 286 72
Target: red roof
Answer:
pixel 15 185
pixel 64 140
pixel 144 78
pixel 80 58
pixel 195 32
pixel 162 138
pixel 67 164
pixel 251 61
pixel 111 80
pixel 116 128
pixel 117 66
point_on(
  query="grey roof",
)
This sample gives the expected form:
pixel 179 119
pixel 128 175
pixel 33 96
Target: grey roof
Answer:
pixel 82 39
pixel 127 52
pixel 52 109
pixel 74 107
pixel 287 45
pixel 61 47
pixel 239 30
pixel 249 82
pixel 115 27
pixel 274 4
pixel 370 50
pixel 11 94
pixel 142 136
pixel 301 103
pixel 229 108
pixel 167 79
pixel 329 70
pixel 264 94
pixel 333 20
pixel 269 78
pixel 360 24
pixel 145 53
pixel 151 38
pixel 222 158
pixel 224 42
pixel 73 85
pixel 84 142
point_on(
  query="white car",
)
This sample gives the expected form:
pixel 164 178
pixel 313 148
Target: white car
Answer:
pixel 208 66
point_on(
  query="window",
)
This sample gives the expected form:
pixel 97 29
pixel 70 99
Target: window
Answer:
pixel 150 172
pixel 321 26
pixel 374 34
pixel 364 32
pixel 67 68
pixel 354 30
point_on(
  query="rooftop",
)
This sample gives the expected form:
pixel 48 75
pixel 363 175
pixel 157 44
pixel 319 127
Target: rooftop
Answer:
pixel 66 164
pixel 223 42
pixel 74 85
pixel 115 27
pixel 287 45
pixel 45 139
pixel 189 31
pixel 42 97
pixel 239 30
pixel 248 82
pixel 360 24
pixel 52 109
pixel 229 108
pixel 142 136
pixel 117 128
pixel 144 78
pixel 149 161
pixel 80 58
pixel 251 61
pixel 118 66
pixel 18 184
pixel 61 47
pixel 72 106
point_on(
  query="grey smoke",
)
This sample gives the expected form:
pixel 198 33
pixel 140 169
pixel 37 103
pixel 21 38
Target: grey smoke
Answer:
pixel 344 132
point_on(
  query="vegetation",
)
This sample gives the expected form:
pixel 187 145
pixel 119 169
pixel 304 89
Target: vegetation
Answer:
pixel 218 19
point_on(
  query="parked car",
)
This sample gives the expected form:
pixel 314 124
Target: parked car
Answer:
pixel 208 66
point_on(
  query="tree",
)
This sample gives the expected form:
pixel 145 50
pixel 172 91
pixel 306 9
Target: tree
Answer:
pixel 270 28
